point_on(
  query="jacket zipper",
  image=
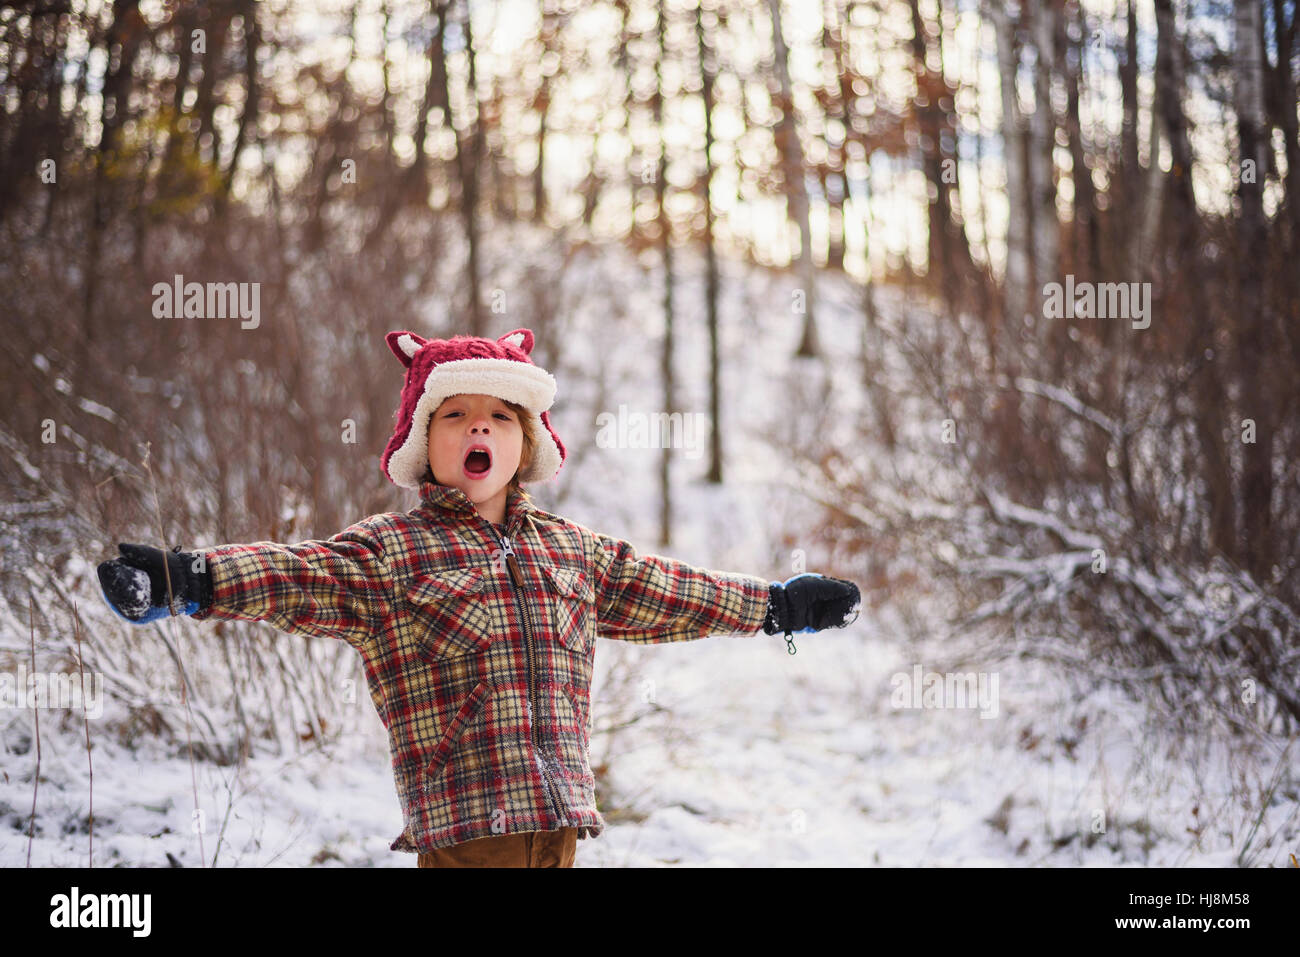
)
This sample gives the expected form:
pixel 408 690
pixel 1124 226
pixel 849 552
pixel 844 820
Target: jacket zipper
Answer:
pixel 516 583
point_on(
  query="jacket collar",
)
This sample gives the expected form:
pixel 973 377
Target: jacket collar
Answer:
pixel 449 499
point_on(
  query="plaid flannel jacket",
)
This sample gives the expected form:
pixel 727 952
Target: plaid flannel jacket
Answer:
pixel 478 650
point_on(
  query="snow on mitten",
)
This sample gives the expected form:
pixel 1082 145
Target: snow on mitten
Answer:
pixel 810 602
pixel 135 585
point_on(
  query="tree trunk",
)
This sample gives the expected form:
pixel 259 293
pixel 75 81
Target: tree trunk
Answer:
pixel 591 184
pixel 1284 107
pixel 542 106
pixel 708 70
pixel 125 32
pixel 1087 239
pixel 949 128
pixel 834 184
pixel 1046 226
pixel 949 250
pixel 792 167
pixel 186 22
pixel 469 152
pixel 1169 78
pixel 926 110
pixel 1130 177
pixel 248 119
pixel 666 249
pixel 435 93
pixel 1253 316
pixel 205 103
pixel 1017 295
pixel 386 104
pixel 854 127
pixel 1183 223
pixel 1153 195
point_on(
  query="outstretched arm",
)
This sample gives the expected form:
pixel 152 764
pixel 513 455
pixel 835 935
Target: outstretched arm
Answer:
pixel 649 598
pixel 338 587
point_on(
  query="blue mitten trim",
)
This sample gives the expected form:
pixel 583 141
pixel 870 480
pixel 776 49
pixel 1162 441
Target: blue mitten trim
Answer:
pixel 803 575
pixel 154 613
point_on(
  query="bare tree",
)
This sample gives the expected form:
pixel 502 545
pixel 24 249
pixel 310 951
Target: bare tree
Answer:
pixel 666 368
pixel 1253 343
pixel 1282 99
pixel 949 250
pixel 549 41
pixel 1042 129
pixel 708 71
pixel 469 156
pixel 1017 283
pixel 1071 33
pixel 792 168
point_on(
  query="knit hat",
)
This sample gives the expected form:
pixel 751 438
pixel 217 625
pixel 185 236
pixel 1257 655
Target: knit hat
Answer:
pixel 468 365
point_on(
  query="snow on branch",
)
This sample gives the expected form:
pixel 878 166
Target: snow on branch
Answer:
pixel 1072 403
pixel 1008 511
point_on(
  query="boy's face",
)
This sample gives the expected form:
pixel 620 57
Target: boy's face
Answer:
pixel 466 422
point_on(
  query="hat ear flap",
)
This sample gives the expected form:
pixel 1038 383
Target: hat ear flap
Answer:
pixel 404 345
pixel 559 446
pixel 521 339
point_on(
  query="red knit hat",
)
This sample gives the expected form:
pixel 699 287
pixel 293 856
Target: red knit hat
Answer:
pixel 468 365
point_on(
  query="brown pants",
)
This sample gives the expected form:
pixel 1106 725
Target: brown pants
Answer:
pixel 529 849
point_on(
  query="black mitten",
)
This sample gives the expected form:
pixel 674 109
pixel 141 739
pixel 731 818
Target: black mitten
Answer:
pixel 135 585
pixel 811 602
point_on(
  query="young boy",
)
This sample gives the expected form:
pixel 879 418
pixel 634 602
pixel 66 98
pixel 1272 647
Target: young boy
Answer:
pixel 475 613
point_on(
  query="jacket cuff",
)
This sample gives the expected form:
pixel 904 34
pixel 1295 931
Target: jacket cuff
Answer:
pixel 755 606
pixel 202 591
pixel 207 583
pixel 775 598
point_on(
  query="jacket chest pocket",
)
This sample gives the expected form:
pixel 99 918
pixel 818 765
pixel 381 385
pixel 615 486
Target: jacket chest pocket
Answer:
pixel 572 607
pixel 450 613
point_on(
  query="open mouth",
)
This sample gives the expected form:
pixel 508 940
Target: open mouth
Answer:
pixel 478 462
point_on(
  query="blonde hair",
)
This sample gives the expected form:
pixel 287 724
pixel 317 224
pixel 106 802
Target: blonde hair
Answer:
pixel 529 449
pixel 526 453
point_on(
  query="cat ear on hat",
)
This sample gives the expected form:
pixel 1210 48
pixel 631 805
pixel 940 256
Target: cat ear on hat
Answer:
pixel 521 339
pixel 404 345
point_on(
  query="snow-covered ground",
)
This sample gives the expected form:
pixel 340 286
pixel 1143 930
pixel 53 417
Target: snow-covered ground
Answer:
pixel 740 754
pixel 750 757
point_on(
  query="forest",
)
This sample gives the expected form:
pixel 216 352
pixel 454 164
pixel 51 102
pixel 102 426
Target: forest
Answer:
pixel 995 305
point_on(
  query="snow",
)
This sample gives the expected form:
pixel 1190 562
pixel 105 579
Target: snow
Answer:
pixel 132 590
pixel 1071 402
pixel 94 408
pixel 314 809
pixel 744 755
